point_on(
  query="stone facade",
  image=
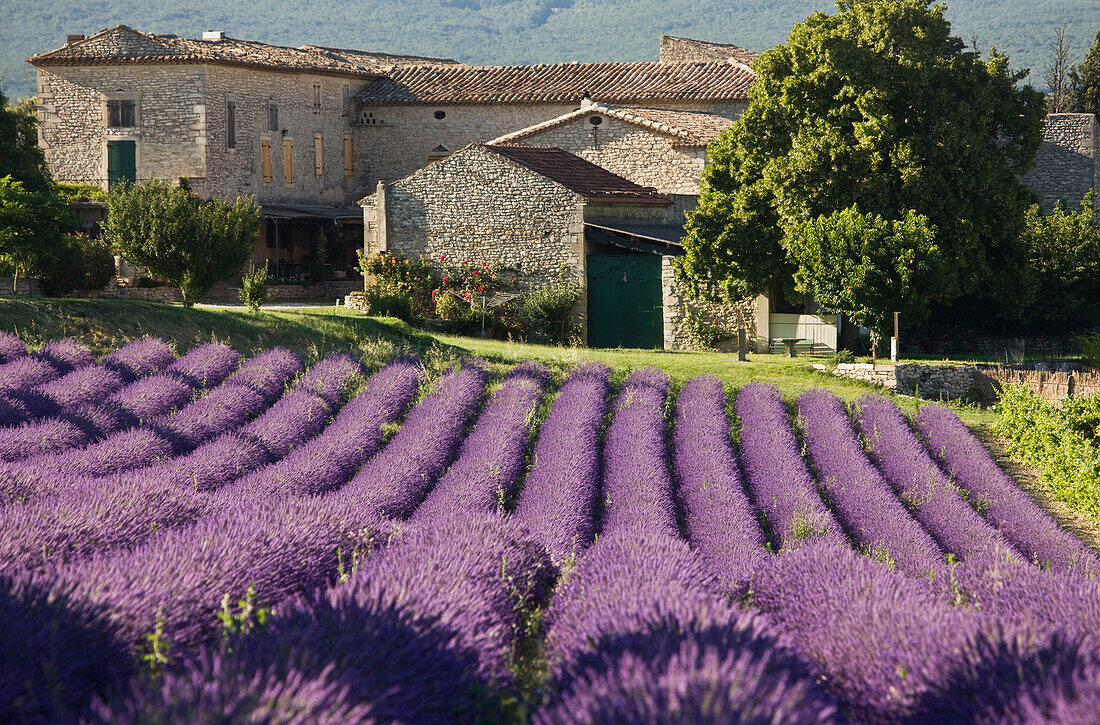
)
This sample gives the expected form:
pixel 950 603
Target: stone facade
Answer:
pixel 729 319
pixel 643 155
pixel 689 50
pixel 170 130
pixel 1066 165
pixel 392 142
pixel 181 128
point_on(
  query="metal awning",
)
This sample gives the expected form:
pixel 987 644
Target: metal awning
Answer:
pixel 306 211
pixel 662 239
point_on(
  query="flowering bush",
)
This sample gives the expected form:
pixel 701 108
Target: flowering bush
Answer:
pixel 389 277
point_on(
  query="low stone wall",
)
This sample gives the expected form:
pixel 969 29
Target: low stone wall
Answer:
pixel 980 383
pixel 25 286
pixel 327 292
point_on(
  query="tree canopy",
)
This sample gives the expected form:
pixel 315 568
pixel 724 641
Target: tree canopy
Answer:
pixel 877 109
pixel 179 237
pixel 1085 81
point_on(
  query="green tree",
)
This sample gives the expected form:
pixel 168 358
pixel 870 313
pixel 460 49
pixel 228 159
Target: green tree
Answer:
pixel 1064 249
pixel 868 266
pixel 178 237
pixel 880 107
pixel 1085 81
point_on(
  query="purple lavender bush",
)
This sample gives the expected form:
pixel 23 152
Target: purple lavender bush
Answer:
pixel 637 488
pixel 863 501
pixel 493 457
pixel 778 481
pixel 175 582
pixel 395 481
pixel 881 639
pixel 355 435
pixel 1023 522
pixel 640 632
pixel 558 500
pixel 921 484
pixel 269 373
pixel 332 379
pixel 58 653
pixel 139 358
pixel 11 347
pixel 721 523
pixel 207 365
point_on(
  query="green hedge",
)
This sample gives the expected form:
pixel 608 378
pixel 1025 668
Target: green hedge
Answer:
pixel 1063 444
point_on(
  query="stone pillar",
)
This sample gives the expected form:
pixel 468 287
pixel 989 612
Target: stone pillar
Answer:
pixel 381 232
pixel 763 324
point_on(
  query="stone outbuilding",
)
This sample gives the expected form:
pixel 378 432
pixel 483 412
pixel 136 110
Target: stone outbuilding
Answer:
pixel 543 210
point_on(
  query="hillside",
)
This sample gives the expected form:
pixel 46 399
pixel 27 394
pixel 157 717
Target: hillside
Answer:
pixel 509 31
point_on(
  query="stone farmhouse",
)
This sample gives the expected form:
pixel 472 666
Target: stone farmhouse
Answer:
pixel 587 165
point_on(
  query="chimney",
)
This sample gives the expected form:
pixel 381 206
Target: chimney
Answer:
pixel 73 38
pixel 213 35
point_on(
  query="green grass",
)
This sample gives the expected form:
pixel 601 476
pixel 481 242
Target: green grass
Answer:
pixel 315 331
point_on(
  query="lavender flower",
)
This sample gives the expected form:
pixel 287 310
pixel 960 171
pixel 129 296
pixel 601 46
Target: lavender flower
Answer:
pixel 58 653
pixel 557 503
pixel 207 365
pixel 329 460
pixel 920 483
pixel 65 355
pixel 637 488
pixel 1023 522
pixel 269 372
pixel 139 358
pixel 394 482
pixel 332 379
pixel 778 481
pixel 493 457
pixel 721 523
pixel 11 347
pixel 875 519
pixel 881 639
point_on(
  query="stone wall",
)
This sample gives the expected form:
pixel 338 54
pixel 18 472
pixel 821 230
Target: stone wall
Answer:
pixel 481 207
pixel 727 318
pixel 240 169
pixel 24 286
pixel 643 155
pixel 392 142
pixel 978 383
pixel 170 133
pixel 1066 164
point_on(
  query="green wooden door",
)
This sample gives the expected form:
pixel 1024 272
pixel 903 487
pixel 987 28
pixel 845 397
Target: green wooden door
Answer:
pixel 624 301
pixel 121 162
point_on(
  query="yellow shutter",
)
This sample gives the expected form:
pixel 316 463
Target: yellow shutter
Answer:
pixel 318 155
pixel 288 161
pixel 349 168
pixel 265 150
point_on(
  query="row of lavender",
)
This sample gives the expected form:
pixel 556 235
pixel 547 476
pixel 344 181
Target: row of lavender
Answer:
pixel 447 601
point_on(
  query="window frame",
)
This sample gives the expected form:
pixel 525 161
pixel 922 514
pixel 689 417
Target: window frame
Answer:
pixel 272 116
pixel 231 123
pixel 122 97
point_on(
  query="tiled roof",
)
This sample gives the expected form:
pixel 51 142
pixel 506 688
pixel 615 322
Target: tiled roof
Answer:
pixel 561 83
pixel 688 127
pixel 123 44
pixel 594 183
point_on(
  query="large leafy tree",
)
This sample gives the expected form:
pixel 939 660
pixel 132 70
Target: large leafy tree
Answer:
pixel 1085 81
pixel 179 237
pixel 879 109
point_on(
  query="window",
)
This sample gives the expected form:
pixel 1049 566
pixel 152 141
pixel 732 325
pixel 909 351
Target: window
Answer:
pixel 440 115
pixel 318 155
pixel 265 152
pixel 231 124
pixel 316 96
pixel 438 154
pixel 272 117
pixel 288 161
pixel 121 113
pixel 349 167
pixel 347 97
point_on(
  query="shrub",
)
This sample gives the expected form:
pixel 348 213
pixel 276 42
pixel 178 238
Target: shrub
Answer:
pixel 1090 349
pixel 254 287
pixel 80 263
pixel 392 277
pixel 178 237
pixel 704 334
pixel 545 311
pixel 389 306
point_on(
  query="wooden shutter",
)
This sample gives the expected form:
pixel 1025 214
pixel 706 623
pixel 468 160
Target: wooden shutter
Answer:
pixel 288 161
pixel 349 167
pixel 231 124
pixel 318 155
pixel 265 149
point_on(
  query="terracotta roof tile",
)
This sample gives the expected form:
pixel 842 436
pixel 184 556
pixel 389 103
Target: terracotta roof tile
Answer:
pixel 560 83
pixel 123 44
pixel 689 128
pixel 594 183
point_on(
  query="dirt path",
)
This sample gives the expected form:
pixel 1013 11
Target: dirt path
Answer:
pixel 1031 482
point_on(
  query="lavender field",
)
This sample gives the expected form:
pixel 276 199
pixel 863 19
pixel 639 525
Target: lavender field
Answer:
pixel 219 539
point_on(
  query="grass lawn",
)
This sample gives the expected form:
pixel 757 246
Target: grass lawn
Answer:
pixel 315 331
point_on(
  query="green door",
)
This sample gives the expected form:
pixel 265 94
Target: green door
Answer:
pixel 624 301
pixel 121 162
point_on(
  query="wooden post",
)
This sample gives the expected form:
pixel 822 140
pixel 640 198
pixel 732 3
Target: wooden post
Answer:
pixel 894 341
pixel 742 345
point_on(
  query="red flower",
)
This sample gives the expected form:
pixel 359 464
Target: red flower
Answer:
pixel 480 288
pixel 511 276
pixel 441 258
pixel 464 261
pixel 445 280
pixel 484 264
pixel 475 272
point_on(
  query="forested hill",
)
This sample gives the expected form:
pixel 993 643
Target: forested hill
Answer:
pixel 509 31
